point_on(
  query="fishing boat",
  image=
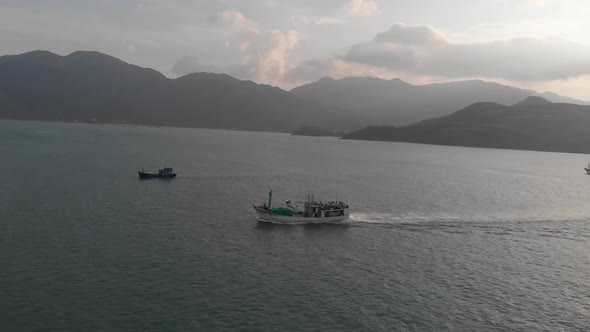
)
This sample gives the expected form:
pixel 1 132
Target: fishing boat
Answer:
pixel 163 173
pixel 312 212
pixel 587 169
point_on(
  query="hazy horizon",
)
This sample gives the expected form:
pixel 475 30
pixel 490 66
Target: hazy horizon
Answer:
pixel 542 45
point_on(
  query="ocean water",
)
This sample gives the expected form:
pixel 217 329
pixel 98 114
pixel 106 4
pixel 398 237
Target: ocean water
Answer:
pixel 440 238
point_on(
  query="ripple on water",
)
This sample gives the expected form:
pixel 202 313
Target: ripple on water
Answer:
pixel 488 240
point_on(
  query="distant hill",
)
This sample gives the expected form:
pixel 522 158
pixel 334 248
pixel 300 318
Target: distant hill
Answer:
pixel 94 87
pixel 531 124
pixel 314 131
pixel 395 102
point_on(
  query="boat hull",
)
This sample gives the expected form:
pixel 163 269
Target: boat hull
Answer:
pixel 267 217
pixel 146 176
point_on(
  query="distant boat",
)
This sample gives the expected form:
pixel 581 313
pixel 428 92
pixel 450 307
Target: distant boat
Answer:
pixel 313 212
pixel 587 169
pixel 164 173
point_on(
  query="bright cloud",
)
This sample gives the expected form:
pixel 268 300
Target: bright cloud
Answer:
pixel 272 62
pixel 423 51
pixel 264 55
pixel 362 8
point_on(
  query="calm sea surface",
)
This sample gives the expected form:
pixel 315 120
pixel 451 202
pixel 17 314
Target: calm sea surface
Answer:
pixel 440 238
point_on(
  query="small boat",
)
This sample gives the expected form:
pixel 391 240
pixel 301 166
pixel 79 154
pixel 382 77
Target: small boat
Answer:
pixel 587 169
pixel 164 173
pixel 313 212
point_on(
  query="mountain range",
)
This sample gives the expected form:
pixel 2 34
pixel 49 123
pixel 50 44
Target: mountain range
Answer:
pixel 395 102
pixel 94 87
pixel 89 86
pixel 531 124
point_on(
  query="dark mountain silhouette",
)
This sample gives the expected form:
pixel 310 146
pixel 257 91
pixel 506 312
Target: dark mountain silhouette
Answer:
pixel 533 101
pixel 395 102
pixel 90 86
pixel 532 124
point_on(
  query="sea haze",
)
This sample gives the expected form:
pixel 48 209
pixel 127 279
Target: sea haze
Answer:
pixel 440 238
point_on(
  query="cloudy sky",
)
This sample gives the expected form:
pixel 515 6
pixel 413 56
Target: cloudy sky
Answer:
pixel 537 44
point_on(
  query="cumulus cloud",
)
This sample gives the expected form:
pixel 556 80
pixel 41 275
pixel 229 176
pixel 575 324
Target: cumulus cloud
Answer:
pixel 263 55
pixel 422 54
pixel 411 35
pixel 362 8
pixel 238 30
pixel 237 22
pixel 423 50
pixel 272 61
